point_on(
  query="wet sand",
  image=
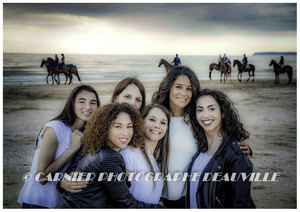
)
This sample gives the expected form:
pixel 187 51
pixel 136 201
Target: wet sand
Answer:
pixel 267 110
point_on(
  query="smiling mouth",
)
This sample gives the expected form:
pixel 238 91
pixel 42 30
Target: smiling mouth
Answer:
pixel 123 140
pixel 155 132
pixel 87 113
pixel 182 99
pixel 207 122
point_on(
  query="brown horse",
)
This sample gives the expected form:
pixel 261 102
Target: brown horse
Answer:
pixel 51 71
pixel 250 69
pixel 215 66
pixel 69 70
pixel 277 70
pixel 167 65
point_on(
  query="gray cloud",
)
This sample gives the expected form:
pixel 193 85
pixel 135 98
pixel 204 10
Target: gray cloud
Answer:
pixel 191 19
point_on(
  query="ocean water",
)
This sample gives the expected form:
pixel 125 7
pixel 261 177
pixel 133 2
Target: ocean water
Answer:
pixel 96 68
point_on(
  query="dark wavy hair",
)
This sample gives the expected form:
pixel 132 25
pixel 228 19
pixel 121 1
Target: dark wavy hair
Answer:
pixel 162 147
pixel 230 123
pixel 122 85
pixel 97 128
pixel 162 96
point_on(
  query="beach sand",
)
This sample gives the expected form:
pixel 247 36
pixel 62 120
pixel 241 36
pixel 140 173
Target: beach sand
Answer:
pixel 267 110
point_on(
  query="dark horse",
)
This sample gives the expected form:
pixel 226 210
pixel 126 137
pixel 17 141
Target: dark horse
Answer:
pixel 277 70
pixel 68 70
pixel 50 71
pixel 250 69
pixel 215 66
pixel 167 65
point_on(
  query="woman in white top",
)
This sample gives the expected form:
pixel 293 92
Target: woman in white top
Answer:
pixel 177 92
pixel 57 142
pixel 140 161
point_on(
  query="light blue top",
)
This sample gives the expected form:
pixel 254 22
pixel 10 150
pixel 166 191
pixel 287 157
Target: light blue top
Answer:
pixel 197 169
pixel 141 189
pixel 45 195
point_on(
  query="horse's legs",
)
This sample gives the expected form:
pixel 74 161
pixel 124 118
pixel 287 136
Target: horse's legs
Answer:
pixel 47 78
pixel 66 75
pixel 58 78
pixel 70 78
pixel 52 79
pixel 248 76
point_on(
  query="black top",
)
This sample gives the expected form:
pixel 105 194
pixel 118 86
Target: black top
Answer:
pixel 103 193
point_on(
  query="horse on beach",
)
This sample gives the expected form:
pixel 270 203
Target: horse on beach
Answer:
pixel 277 70
pixel 250 69
pixel 50 71
pixel 167 65
pixel 68 70
pixel 215 66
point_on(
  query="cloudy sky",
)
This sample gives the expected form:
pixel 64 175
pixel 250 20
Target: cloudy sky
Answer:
pixel 144 28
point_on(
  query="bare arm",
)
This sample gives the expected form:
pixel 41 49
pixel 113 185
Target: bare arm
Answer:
pixel 46 162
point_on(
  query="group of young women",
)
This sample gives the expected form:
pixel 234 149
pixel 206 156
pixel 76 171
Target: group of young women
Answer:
pixel 184 130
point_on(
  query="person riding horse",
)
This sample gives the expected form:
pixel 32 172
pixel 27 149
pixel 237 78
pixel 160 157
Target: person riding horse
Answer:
pixel 176 61
pixel 62 65
pixel 219 60
pixel 226 60
pixel 281 63
pixel 245 62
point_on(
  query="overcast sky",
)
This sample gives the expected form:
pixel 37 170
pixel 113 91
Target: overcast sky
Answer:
pixel 143 28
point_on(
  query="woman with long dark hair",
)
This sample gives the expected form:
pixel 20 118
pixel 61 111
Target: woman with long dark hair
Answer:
pixel 57 142
pixel 217 129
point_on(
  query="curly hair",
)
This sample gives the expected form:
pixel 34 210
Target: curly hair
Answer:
pixel 162 96
pixel 122 85
pixel 97 128
pixel 230 124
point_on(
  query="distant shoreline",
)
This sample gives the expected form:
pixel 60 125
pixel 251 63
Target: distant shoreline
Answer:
pixel 275 53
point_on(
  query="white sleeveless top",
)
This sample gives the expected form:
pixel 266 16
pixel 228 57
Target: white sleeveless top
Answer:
pixel 141 189
pixel 182 149
pixel 45 195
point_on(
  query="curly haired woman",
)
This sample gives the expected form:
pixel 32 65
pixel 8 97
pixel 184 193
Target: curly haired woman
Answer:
pixel 110 129
pixel 217 129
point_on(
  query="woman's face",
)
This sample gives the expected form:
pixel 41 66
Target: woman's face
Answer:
pixel 156 124
pixel 181 92
pixel 120 132
pixel 131 95
pixel 85 104
pixel 208 114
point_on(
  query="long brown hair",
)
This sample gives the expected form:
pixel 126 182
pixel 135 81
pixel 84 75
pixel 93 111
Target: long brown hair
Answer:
pixel 162 146
pixel 162 96
pixel 68 115
pixel 97 128
pixel 122 85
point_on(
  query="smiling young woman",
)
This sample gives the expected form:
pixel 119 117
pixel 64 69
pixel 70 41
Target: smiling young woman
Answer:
pixel 57 143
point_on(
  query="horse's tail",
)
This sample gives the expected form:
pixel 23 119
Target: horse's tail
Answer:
pixel 76 73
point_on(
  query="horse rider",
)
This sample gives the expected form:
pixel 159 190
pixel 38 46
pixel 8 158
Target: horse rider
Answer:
pixel 226 61
pixel 281 62
pixel 56 58
pixel 219 60
pixel 245 62
pixel 176 61
pixel 62 64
